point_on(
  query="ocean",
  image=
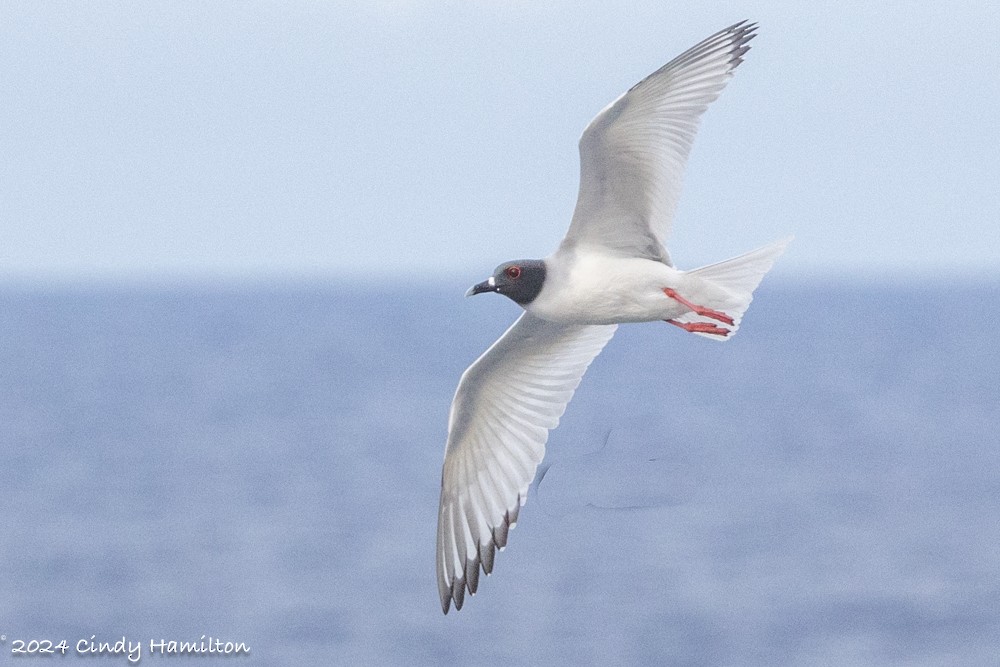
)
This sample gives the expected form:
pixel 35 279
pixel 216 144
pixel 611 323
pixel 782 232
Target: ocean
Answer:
pixel 260 465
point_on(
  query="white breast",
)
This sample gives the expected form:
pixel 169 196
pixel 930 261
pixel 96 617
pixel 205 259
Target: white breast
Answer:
pixel 591 288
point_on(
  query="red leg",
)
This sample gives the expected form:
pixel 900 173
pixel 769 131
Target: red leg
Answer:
pixel 701 310
pixel 700 327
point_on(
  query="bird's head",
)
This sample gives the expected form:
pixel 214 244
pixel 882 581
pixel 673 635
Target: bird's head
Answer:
pixel 520 280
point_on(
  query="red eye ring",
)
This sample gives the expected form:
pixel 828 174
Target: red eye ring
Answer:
pixel 513 272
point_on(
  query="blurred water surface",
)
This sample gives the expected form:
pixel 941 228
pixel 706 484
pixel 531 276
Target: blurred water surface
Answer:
pixel 261 464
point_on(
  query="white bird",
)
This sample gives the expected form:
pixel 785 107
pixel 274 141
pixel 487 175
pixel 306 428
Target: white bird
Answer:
pixel 611 268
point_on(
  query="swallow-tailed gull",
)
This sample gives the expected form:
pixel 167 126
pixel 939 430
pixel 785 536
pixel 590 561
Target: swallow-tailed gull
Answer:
pixel 611 268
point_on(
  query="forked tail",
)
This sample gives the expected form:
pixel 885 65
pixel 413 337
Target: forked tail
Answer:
pixel 728 286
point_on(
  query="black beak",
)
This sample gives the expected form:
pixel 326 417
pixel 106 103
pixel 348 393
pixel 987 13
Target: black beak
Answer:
pixel 489 285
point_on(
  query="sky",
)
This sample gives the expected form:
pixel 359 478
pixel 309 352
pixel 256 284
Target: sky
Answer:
pixel 419 139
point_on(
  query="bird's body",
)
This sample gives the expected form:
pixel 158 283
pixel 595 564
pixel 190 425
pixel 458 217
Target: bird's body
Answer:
pixel 612 268
pixel 596 288
pixel 591 288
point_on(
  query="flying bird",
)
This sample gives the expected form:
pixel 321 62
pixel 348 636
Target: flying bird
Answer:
pixel 611 268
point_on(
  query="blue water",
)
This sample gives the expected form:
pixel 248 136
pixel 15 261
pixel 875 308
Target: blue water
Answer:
pixel 262 465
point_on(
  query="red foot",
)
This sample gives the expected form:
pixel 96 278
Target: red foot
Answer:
pixel 700 327
pixel 701 310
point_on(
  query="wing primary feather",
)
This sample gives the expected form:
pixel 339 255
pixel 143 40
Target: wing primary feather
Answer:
pixel 500 535
pixel 458 593
pixel 458 540
pixel 445 600
pixel 487 553
pixel 449 554
pixel 444 580
pixel 472 573
pixel 511 516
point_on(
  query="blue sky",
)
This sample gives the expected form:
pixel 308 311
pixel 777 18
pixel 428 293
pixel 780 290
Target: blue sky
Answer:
pixel 424 137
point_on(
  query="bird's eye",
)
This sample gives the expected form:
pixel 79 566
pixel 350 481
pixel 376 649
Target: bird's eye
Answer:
pixel 513 272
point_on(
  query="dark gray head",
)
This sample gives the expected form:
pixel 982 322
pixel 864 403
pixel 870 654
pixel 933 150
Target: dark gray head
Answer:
pixel 520 280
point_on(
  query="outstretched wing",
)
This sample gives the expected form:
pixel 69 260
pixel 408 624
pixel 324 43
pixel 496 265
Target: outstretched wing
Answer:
pixel 632 155
pixel 505 405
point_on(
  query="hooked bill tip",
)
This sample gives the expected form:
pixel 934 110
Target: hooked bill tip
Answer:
pixel 485 286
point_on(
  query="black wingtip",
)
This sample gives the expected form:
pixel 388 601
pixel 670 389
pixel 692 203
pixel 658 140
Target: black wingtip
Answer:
pixel 487 557
pixel 472 575
pixel 458 593
pixel 742 32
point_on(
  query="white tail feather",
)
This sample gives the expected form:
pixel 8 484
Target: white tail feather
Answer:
pixel 730 284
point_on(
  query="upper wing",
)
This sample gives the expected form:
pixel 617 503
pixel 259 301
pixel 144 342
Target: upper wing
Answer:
pixel 505 404
pixel 632 154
